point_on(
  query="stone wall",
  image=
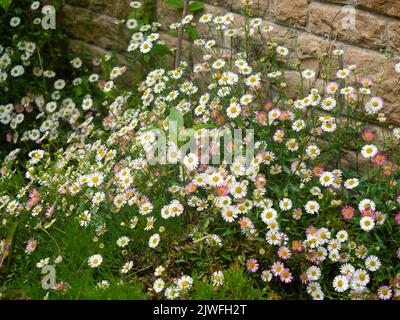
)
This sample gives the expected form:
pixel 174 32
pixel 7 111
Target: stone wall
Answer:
pixel 92 25
pixel 94 29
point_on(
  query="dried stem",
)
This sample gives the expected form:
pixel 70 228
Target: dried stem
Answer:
pixel 180 35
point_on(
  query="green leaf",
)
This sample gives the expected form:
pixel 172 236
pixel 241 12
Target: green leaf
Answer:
pixel 179 4
pixel 192 32
pixel 196 6
pixel 5 4
pixel 174 4
pixel 146 58
pixel 161 49
pixel 172 33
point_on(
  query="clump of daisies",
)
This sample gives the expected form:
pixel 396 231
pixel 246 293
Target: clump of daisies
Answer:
pixel 37 104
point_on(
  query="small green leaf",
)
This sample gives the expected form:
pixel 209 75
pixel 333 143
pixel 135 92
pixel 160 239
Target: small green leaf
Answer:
pixel 174 4
pixel 161 49
pixel 5 4
pixel 172 33
pixel 192 32
pixel 196 6
pixel 146 58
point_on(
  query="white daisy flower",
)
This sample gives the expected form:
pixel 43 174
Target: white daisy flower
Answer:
pixel 158 285
pixel 340 283
pixel 95 261
pixel 351 183
pixel 369 151
pixel 312 207
pixel 217 278
pixel 372 263
pixel 123 241
pixel 367 223
pixel 154 240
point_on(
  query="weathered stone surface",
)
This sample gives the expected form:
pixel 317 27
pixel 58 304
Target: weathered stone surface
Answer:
pixel 81 3
pixel 258 7
pixel 385 7
pixel 85 49
pixel 389 7
pixel 115 8
pixel 171 42
pixel 279 34
pixel 291 12
pixel 394 35
pixel 101 30
pixel 368 29
pixel 311 48
pixel 292 81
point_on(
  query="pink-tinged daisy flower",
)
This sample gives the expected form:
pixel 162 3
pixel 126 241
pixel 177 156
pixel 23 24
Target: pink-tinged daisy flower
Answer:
pixel 62 190
pixel 368 213
pixel 297 213
pixel 31 246
pixel 385 292
pixel 318 171
pixel 317 131
pixel 366 82
pixel 34 198
pixel 297 245
pixel 222 191
pixel 252 265
pixel 352 97
pixel 261 154
pixel 367 135
pixel 245 223
pixel 331 88
pixel 348 212
pixel 50 211
pixel 277 268
pixel 246 111
pixel 303 278
pixel 285 116
pixel 284 253
pixel 117 168
pixel 311 230
pixel 191 187
pixel 260 181
pixel 397 218
pixel 279 135
pixel 379 159
pixel 388 169
pixel 312 256
pixel 286 276
pixel 398 199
